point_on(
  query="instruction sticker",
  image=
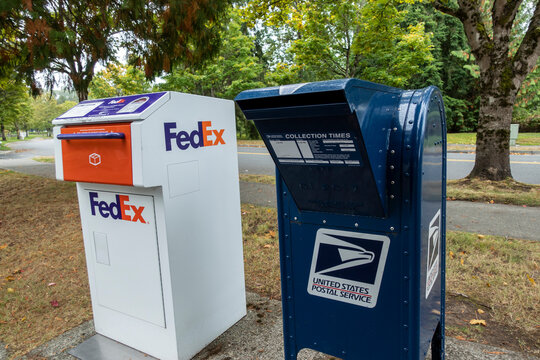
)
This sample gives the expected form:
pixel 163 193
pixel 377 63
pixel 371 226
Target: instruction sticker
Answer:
pixel 319 148
pixel 348 266
pixel 433 251
pixel 132 104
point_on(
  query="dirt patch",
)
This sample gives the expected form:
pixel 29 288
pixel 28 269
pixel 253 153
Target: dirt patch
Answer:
pixel 461 310
pixel 502 192
pixel 43 281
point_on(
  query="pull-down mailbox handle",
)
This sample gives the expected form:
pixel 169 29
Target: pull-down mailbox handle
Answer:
pixel 100 135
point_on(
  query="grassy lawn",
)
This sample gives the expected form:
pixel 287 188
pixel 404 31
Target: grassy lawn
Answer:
pixel 524 139
pixel 44 159
pixel 44 285
pixel 250 143
pixel 500 192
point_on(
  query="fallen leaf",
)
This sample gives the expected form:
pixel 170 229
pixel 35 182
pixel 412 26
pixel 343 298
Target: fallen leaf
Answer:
pixel 267 246
pixel 494 352
pixel 51 284
pixel 54 303
pixel 272 233
pixel 23 319
pixel 10 290
pixel 480 311
pixel 531 280
pixel 488 284
pixel 481 236
pixel 477 322
pixel 451 253
pixel 461 338
pixel 491 201
pixel 10 278
pixel 18 271
pixel 3 246
pixel 461 261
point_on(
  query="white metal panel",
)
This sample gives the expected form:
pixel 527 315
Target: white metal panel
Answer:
pixel 197 238
pixel 58 163
pixel 131 281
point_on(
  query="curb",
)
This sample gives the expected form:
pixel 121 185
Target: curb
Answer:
pixel 512 152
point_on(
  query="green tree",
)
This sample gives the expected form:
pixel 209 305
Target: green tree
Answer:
pixel 118 80
pixel 15 109
pixel 504 37
pixel 364 39
pixel 453 69
pixel 527 107
pixel 70 37
pixel 234 69
pixel 45 110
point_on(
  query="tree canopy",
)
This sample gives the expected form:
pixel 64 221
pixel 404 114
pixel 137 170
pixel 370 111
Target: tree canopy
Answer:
pixel 70 37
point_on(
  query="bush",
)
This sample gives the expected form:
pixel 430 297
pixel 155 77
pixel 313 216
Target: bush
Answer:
pixel 461 115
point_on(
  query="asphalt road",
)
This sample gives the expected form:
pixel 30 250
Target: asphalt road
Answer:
pixel 525 168
pixel 254 160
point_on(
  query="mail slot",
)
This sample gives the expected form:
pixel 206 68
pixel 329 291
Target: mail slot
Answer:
pixel 98 154
pixel 164 258
pixel 361 184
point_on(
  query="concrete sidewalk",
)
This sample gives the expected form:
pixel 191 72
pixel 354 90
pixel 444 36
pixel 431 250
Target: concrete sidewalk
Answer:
pixel 259 336
pixel 512 221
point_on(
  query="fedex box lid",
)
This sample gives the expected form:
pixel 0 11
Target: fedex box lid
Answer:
pixel 132 107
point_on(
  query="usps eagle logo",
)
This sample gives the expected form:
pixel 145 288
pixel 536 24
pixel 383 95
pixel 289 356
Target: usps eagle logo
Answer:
pixel 348 266
pixel 433 251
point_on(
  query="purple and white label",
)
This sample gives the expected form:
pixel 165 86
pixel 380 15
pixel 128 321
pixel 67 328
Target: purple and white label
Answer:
pixel 132 104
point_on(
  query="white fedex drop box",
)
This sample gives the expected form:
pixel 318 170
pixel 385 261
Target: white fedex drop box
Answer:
pixel 157 181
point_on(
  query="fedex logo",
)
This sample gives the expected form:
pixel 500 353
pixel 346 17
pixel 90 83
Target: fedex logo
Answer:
pixel 117 101
pixel 203 136
pixel 119 210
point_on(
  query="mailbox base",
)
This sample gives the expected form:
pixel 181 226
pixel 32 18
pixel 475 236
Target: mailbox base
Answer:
pixel 99 347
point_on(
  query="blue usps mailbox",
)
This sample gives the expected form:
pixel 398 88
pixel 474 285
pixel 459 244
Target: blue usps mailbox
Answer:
pixel 361 184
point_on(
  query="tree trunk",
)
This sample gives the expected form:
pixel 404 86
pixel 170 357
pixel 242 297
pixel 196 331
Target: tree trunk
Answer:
pixel 493 138
pixel 3 131
pixel 501 74
pixel 82 93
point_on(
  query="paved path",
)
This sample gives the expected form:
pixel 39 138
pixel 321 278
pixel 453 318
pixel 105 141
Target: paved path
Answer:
pixel 525 168
pixel 259 336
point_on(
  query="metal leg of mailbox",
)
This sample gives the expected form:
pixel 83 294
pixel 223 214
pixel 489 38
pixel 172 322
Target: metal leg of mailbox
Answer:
pixel 437 348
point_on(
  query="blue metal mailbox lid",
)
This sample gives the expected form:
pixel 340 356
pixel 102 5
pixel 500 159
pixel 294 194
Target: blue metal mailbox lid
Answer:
pixel 314 87
pixel 316 99
pixel 331 106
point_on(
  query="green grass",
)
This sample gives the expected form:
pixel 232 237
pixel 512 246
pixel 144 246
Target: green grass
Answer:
pixel 531 139
pixel 263 179
pixel 462 138
pixel 44 159
pixel 524 139
pixel 498 272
